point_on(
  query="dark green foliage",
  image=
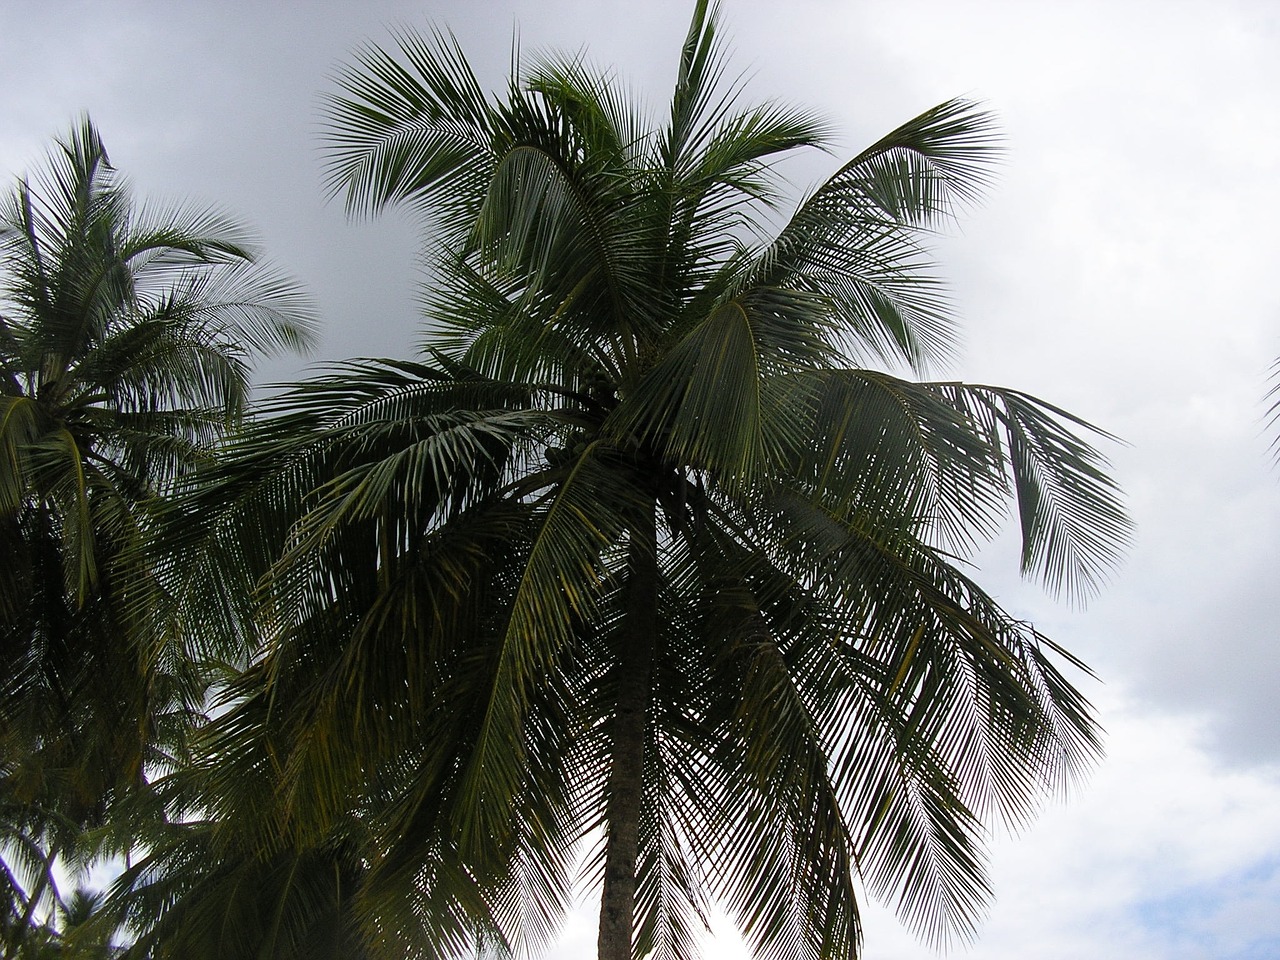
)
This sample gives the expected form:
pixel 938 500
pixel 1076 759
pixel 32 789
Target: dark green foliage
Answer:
pixel 645 559
pixel 126 337
pixel 638 386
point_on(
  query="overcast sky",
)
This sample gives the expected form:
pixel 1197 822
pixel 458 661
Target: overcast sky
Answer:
pixel 1125 268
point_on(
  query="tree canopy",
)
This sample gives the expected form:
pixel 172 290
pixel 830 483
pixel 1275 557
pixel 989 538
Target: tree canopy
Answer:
pixel 127 335
pixel 650 571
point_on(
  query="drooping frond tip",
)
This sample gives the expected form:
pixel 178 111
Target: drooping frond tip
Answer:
pixel 943 159
pixel 405 128
pixel 1273 411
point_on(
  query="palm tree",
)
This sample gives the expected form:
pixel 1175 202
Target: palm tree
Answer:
pixel 648 552
pixel 127 335
pixel 72 931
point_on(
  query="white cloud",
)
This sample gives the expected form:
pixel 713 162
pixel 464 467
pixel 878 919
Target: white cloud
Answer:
pixel 1166 855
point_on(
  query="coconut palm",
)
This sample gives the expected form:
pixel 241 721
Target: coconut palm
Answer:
pixel 127 335
pixel 653 550
pixel 72 932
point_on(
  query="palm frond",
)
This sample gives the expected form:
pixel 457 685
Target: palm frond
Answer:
pixel 1073 522
pixel 856 240
pixel 563 579
pixel 417 131
pixel 1273 412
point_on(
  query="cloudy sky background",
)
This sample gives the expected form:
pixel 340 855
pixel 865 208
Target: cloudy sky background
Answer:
pixel 1125 268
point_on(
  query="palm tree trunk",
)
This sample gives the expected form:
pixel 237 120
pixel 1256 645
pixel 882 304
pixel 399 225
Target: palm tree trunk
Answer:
pixel 626 777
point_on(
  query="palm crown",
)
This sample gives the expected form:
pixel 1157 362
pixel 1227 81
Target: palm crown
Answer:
pixel 645 549
pixel 126 337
